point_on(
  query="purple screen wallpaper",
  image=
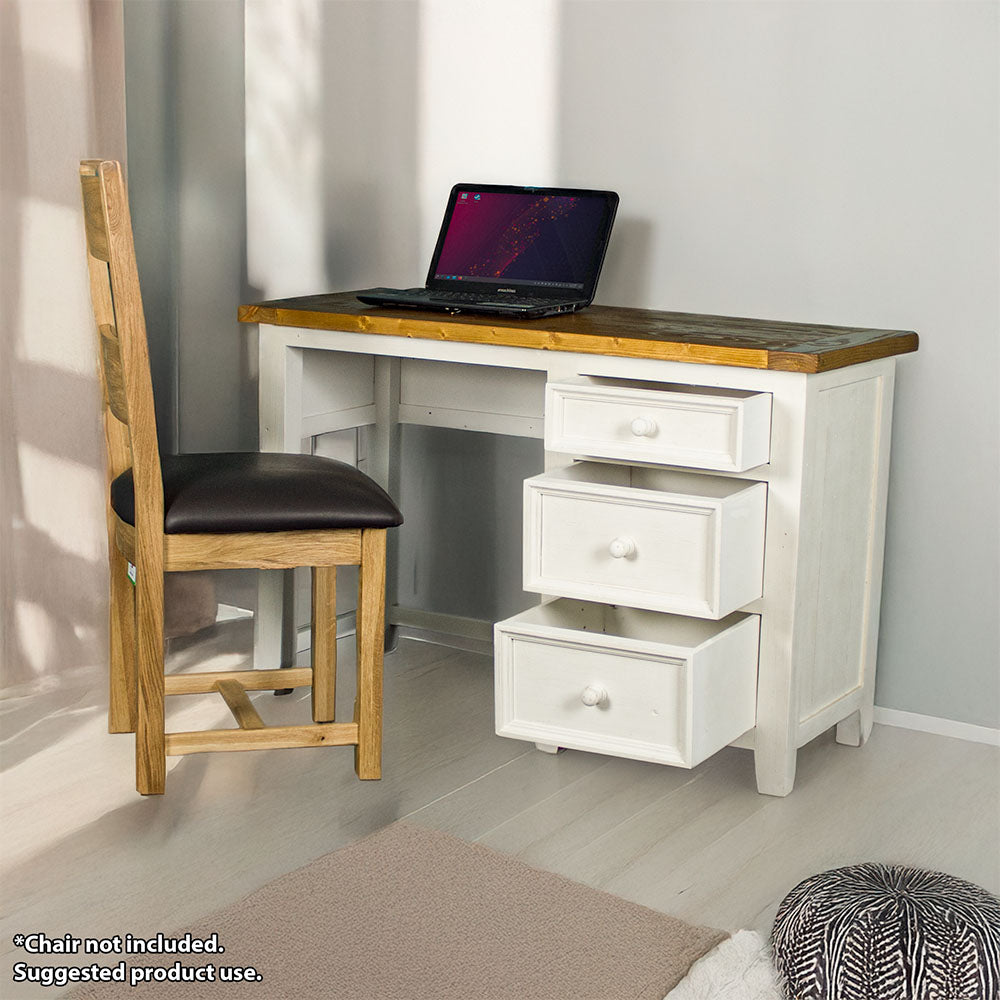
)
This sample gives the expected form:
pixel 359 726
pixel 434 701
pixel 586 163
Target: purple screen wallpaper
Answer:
pixel 543 239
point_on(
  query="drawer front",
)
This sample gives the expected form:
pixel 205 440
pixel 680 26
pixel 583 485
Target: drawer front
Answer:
pixel 685 554
pixel 724 430
pixel 596 699
pixel 613 694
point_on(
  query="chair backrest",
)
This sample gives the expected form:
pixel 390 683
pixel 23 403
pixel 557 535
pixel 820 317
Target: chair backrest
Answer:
pixel 129 418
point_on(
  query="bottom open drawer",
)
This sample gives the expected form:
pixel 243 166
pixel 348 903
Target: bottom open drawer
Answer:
pixel 626 682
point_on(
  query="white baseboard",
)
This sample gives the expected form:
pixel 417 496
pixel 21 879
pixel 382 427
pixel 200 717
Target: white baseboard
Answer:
pixel 434 621
pixel 229 613
pixel 940 727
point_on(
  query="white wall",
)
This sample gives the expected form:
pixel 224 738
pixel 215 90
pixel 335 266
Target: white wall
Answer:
pixel 332 117
pixel 62 87
pixel 486 99
pixel 837 163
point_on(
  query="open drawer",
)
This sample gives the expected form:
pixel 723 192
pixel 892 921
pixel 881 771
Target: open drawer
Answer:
pixel 624 682
pixel 725 430
pixel 649 538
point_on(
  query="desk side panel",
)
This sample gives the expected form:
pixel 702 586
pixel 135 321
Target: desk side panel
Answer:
pixel 852 434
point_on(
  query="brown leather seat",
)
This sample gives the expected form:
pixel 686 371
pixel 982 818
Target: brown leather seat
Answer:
pixel 246 491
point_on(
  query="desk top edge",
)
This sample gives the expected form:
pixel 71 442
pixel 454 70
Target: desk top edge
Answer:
pixel 610 330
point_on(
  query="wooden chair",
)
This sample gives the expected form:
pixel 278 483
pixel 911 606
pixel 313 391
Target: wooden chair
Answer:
pixel 174 513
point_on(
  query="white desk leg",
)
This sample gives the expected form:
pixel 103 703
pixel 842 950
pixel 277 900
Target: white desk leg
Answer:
pixel 775 744
pixel 274 620
pixel 280 401
pixel 383 467
pixel 857 727
pixel 774 748
pixel 383 459
pixel 776 731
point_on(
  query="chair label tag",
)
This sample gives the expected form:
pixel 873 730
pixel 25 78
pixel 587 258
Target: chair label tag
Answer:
pixel 131 573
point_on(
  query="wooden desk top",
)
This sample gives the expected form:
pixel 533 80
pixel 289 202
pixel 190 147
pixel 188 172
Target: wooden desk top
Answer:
pixel 609 330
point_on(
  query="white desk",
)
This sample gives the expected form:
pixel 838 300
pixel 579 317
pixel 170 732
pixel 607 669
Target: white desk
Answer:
pixel 327 363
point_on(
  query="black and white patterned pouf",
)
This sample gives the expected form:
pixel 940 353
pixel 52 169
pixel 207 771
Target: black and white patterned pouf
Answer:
pixel 887 932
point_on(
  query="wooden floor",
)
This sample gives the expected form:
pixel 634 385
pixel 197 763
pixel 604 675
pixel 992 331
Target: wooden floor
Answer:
pixel 83 853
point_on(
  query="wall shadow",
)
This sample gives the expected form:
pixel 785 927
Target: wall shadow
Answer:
pixel 13 123
pixel 368 124
pixel 54 597
pixel 367 117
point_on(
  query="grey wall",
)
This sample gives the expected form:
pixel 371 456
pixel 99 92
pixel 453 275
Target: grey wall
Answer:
pixel 837 163
pixel 368 112
pixel 150 78
pixel 185 117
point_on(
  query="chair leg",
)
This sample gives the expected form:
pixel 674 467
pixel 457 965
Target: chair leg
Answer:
pixel 121 635
pixel 324 642
pixel 150 744
pixel 371 621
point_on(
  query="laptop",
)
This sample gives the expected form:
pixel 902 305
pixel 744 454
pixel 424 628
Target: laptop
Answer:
pixel 513 251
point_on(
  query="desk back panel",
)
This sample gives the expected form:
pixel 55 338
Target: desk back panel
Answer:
pixel 459 549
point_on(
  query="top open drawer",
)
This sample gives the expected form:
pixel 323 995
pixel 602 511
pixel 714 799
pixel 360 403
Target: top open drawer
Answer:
pixel 727 430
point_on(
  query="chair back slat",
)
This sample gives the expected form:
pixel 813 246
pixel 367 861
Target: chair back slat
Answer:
pixel 114 377
pixel 93 216
pixel 129 418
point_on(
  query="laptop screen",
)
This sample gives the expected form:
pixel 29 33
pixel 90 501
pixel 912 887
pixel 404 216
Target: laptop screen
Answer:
pixel 547 240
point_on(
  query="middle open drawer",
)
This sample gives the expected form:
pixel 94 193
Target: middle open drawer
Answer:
pixel 646 538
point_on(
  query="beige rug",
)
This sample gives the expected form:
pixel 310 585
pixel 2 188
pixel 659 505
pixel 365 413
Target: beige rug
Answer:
pixel 414 914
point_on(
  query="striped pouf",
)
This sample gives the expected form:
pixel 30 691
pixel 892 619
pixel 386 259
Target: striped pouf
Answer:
pixel 887 932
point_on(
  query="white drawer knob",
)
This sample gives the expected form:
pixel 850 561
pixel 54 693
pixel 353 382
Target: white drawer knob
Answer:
pixel 643 427
pixel 594 697
pixel 622 548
